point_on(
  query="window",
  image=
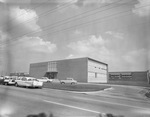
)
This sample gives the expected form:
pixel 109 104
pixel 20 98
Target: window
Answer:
pixel 24 79
pixel 52 66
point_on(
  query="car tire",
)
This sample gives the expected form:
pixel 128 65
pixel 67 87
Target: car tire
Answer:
pixel 62 82
pixel 16 84
pixel 72 83
pixel 5 83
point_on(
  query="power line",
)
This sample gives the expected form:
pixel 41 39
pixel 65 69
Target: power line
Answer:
pixel 115 28
pixel 86 23
pixel 127 25
pixel 66 20
pixel 73 16
pixel 75 25
pixel 37 6
pixel 52 10
pixel 47 12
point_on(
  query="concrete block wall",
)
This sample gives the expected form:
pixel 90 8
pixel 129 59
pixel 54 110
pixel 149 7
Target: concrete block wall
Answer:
pixel 75 68
pixel 38 70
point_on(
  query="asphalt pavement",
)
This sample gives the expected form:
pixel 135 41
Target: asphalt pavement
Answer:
pixel 20 102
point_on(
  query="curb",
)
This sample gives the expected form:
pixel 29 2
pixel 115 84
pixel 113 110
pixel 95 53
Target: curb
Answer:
pixel 77 91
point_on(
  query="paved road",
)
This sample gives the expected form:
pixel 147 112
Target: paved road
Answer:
pixel 19 102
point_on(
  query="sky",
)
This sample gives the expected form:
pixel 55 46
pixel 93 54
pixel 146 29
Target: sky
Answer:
pixel 116 32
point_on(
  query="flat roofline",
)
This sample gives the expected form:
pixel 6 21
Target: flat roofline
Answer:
pixel 126 71
pixel 72 59
pixel 96 61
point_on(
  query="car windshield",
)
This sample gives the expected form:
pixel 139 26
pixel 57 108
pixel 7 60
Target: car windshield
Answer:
pixel 7 78
pixel 32 79
pixel 35 79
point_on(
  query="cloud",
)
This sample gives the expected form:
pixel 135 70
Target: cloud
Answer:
pixel 116 34
pixel 67 5
pixel 3 1
pixel 37 44
pixel 85 2
pixel 137 59
pixel 77 32
pixel 96 2
pixel 3 36
pixel 27 17
pixel 67 1
pixel 94 47
pixel 70 56
pixel 87 45
pixel 110 51
pixel 142 8
pixel 24 21
pixel 30 50
pixel 75 4
pixel 3 52
pixel 17 1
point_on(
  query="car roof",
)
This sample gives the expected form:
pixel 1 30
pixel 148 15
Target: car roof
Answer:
pixel 30 77
pixel 6 76
pixel 69 78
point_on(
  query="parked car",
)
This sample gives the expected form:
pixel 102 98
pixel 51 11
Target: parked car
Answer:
pixel 68 81
pixel 1 79
pixel 29 82
pixel 55 81
pixel 8 80
pixel 44 79
pixel 18 78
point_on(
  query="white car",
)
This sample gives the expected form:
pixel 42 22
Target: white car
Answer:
pixel 68 81
pixel 18 78
pixel 55 81
pixel 29 82
pixel 8 80
pixel 44 79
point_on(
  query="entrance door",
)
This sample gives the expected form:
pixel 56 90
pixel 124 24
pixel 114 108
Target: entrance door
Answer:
pixel 51 75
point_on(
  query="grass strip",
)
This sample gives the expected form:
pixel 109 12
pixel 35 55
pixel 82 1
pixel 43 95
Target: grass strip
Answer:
pixel 76 87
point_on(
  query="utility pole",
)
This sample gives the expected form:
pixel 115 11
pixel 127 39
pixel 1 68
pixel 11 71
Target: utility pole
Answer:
pixel 8 47
pixel 148 76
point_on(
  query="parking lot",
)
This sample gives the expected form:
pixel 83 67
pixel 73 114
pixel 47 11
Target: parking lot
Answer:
pixel 23 101
pixel 80 87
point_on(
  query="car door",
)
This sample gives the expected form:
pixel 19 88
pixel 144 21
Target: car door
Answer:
pixel 29 82
pixel 68 80
pixel 23 82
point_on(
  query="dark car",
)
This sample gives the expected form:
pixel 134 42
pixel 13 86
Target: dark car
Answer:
pixel 1 79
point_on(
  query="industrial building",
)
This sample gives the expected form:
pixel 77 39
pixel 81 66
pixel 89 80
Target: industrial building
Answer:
pixel 134 76
pixel 19 74
pixel 81 69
